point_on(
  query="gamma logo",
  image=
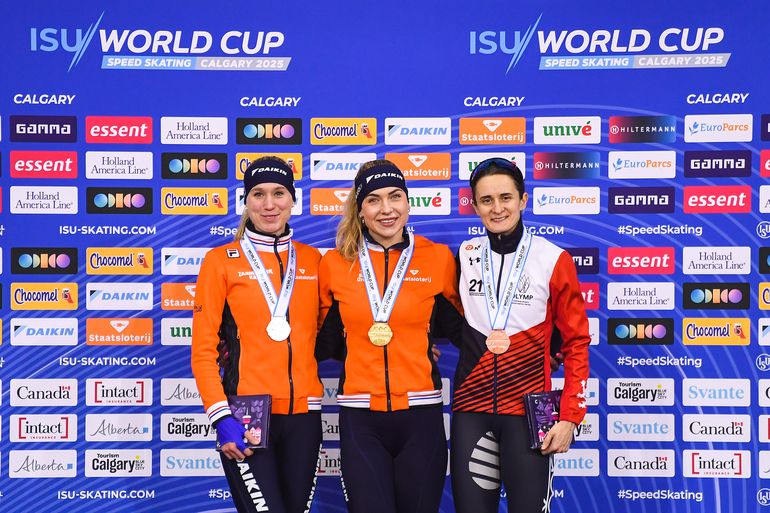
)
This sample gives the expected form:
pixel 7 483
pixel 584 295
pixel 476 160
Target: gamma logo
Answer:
pixel 194 166
pixel 62 129
pixel 717 164
pixel 716 296
pixel 119 200
pixel 641 200
pixel 509 43
pixel 586 259
pixel 44 260
pixel 268 131
pixel 640 331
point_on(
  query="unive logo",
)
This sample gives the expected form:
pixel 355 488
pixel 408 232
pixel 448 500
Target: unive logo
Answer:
pixel 44 260
pixel 343 131
pixel 430 201
pixel 118 129
pixel 30 331
pixel 722 331
pixel 44 296
pixel 327 202
pixel 51 39
pixel 57 129
pixel 44 428
pixel 640 260
pixel 627 165
pixel 717 164
pixel 44 200
pixel 640 296
pixel 640 200
pixel 590 293
pixel 42 464
pixel 640 463
pixel 123 165
pixel 176 331
pixel 186 427
pixel 44 392
pixel 718 260
pixel 717 464
pixel 44 164
pixel 577 462
pixel 716 428
pixel 119 392
pixel 190 462
pixel 423 166
pixel 643 331
pixel 180 201
pixel 194 166
pixel 492 131
pixel 718 128
pixel 512 43
pixel 586 259
pixel 716 296
pixel 177 296
pixel 467 161
pixel 119 427
pixel 418 131
pixel 566 165
pixel 641 427
pixel 119 200
pixel 568 130
pixel 296 209
pixel 268 131
pixel 244 160
pixel 566 200
pixel 717 199
pixel 337 166
pixel 126 261
pixel 640 392
pixel 133 331
pixel 716 392
pixel 118 463
pixel 119 296
pixel 182 261
pixel 642 129
pixel 194 130
pixel 179 392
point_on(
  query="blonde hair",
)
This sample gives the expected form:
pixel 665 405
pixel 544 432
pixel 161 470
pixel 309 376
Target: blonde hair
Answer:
pixel 241 230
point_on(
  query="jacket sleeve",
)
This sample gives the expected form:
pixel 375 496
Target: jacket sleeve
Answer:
pixel 447 318
pixel 210 294
pixel 330 341
pixel 569 316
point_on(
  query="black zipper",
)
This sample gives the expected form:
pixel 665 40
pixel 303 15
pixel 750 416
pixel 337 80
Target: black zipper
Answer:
pixel 385 347
pixel 494 357
pixel 288 339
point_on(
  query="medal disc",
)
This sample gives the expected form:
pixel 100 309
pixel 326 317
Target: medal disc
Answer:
pixel 278 329
pixel 498 342
pixel 380 334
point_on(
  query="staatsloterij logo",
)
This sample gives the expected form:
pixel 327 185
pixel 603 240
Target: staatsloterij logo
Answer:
pixel 491 42
pixel 51 39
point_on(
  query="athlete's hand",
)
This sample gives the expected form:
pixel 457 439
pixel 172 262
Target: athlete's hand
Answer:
pixel 230 434
pixel 558 438
pixel 556 361
pixel 436 352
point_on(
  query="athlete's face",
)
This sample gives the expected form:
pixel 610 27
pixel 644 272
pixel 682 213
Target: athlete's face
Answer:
pixel 385 212
pixel 498 204
pixel 269 207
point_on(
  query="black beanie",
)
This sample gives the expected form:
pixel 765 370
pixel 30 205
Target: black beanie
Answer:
pixel 268 170
pixel 377 177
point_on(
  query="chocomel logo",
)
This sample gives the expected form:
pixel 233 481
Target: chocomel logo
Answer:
pixel 133 261
pixel 119 332
pixel 177 201
pixel 177 296
pixel 718 128
pixel 44 260
pixel 720 331
pixel 493 131
pixel 44 164
pixel 764 296
pixel 716 296
pixel 44 296
pixel 337 166
pixel 327 202
pixel 343 131
pixel 640 331
pixel 119 200
pixel 418 131
pixel 119 129
pixel 244 160
pixel 194 166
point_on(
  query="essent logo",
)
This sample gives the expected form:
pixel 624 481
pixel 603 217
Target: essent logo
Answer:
pixel 640 260
pixel 44 164
pixel 119 129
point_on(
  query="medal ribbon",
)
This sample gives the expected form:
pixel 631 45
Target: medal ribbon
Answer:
pixel 498 309
pixel 278 304
pixel 382 308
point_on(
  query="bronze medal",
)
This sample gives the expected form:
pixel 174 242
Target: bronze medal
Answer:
pixel 498 342
pixel 380 334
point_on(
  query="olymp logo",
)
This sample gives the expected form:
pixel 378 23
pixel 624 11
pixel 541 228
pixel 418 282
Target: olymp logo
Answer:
pixel 119 392
pixel 640 392
pixel 717 164
pixel 568 130
pixel 468 161
pixel 337 166
pixel 640 463
pixel 118 463
pixel 330 426
pixel 329 463
pixel 716 392
pixel 179 392
pixel 42 464
pixel 175 331
pixel 716 428
pixel 566 200
pixel 44 428
pixel 588 429
pixel 591 389
pixel 430 201
pixel 716 260
pixel 118 129
pixel 718 128
pixel 636 165
pixel 418 131
pixel 30 331
pixel 44 200
pixel 182 261
pixel 193 130
pixel 121 165
pixel 577 462
pixel 119 296
pixel 492 131
pixel 641 427
pixel 720 464
pixel 640 260
pixel 177 296
pixel 44 164
pixel 119 427
pixel 423 166
pixel 296 209
pixel 640 296
pixel 44 392
pixel 186 427
pixel 190 462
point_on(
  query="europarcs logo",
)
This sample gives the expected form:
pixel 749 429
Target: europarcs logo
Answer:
pixel 605 48
pixel 137 48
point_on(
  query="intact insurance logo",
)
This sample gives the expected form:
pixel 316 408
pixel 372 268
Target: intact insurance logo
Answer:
pixel 163 49
pixel 608 48
pixel 119 392
pixel 43 428
pixel 718 128
pixel 566 200
pixel 566 165
pixel 44 260
pixel 721 464
pixel 717 164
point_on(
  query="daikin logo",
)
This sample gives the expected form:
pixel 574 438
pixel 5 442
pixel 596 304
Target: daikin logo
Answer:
pixel 50 39
pixel 513 43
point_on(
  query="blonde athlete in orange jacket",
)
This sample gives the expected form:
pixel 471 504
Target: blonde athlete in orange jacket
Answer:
pixel 235 353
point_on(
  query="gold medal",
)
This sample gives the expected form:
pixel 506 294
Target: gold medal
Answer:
pixel 498 342
pixel 380 334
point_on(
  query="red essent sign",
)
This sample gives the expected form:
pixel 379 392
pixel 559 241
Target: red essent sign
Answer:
pixel 590 293
pixel 640 260
pixel 720 199
pixel 764 157
pixel 44 164
pixel 119 129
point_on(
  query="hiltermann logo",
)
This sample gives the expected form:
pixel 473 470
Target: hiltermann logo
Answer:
pixel 640 260
pixel 44 164
pixel 119 129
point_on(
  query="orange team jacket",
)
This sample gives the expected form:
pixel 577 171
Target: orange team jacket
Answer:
pixel 403 373
pixel 229 329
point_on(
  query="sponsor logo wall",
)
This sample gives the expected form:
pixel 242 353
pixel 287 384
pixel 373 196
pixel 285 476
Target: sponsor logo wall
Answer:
pixel 646 157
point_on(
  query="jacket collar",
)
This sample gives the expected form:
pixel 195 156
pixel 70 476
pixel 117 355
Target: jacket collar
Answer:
pixel 373 245
pixel 505 244
pixel 268 241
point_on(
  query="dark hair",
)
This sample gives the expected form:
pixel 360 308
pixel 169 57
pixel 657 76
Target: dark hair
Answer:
pixel 497 166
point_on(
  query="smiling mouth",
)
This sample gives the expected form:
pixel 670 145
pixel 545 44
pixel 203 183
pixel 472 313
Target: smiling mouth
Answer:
pixel 387 222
